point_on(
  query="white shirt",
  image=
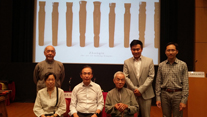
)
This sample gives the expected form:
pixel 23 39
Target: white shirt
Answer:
pixel 86 99
pixel 137 65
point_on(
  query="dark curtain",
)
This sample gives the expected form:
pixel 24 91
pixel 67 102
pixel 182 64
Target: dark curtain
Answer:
pixel 177 25
pixel 22 30
pixel 5 31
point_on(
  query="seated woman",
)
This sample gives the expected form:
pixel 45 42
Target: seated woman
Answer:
pixel 50 101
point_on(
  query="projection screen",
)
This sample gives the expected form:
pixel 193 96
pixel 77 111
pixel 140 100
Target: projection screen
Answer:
pixel 96 31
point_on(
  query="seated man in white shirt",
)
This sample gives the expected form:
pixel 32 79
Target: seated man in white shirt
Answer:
pixel 87 98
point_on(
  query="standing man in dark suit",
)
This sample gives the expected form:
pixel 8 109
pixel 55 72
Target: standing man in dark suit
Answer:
pixel 139 72
pixel 172 83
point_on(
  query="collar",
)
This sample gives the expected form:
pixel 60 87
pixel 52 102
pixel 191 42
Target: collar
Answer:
pixel 121 90
pixel 175 62
pixel 49 61
pixel 90 84
pixel 139 59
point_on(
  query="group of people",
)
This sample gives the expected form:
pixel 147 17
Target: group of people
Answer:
pixel 138 73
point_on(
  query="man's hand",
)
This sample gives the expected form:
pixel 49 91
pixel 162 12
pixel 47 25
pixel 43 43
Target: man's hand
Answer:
pixel 137 93
pixel 97 111
pixel 182 106
pixel 158 104
pixel 94 115
pixel 42 116
pixel 75 115
pixel 121 107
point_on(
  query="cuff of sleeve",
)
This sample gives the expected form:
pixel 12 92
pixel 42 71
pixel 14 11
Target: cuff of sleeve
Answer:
pixel 72 112
pixel 128 110
pixel 100 108
pixel 158 98
pixel 135 87
pixel 58 113
pixel 140 90
pixel 183 101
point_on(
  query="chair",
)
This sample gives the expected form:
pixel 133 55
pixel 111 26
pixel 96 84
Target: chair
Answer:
pixel 67 108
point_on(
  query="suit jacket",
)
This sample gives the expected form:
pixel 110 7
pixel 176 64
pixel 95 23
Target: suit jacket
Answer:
pixel 144 84
pixel 127 97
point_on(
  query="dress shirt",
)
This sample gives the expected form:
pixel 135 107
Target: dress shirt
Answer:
pixel 137 65
pixel 173 76
pixel 45 104
pixel 86 99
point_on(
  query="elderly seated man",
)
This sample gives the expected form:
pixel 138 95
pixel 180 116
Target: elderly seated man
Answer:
pixel 120 101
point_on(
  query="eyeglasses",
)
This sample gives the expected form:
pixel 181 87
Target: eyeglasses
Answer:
pixel 172 50
pixel 87 73
pixel 50 80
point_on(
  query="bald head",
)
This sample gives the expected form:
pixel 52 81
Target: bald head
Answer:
pixel 49 48
pixel 49 53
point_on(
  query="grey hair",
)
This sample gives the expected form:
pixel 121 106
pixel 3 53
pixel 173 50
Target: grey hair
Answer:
pixel 119 72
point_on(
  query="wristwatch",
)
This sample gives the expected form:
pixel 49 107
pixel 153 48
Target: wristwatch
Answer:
pixel 97 114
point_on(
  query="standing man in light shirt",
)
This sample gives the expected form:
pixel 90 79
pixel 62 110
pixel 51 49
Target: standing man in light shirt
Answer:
pixel 139 71
pixel 48 65
pixel 172 86
pixel 87 98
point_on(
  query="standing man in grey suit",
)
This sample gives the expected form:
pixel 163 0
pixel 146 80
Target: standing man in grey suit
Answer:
pixel 139 72
pixel 172 83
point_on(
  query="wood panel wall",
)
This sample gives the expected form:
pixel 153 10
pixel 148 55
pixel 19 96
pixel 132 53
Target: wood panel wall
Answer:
pixel 201 35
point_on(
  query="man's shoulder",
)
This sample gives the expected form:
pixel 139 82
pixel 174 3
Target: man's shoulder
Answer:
pixel 163 63
pixel 78 85
pixel 180 61
pixel 128 90
pixel 146 58
pixel 58 62
pixel 111 91
pixel 41 62
pixel 95 84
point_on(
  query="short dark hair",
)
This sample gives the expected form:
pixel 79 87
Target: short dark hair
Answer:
pixel 87 66
pixel 172 43
pixel 48 74
pixel 135 42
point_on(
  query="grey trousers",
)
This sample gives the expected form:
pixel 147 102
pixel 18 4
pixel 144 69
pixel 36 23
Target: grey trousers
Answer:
pixel 144 107
pixel 170 103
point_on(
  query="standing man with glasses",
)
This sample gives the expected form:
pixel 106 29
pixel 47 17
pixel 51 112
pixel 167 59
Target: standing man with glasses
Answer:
pixel 87 98
pixel 172 83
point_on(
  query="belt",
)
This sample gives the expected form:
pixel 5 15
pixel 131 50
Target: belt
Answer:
pixel 85 114
pixel 171 90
